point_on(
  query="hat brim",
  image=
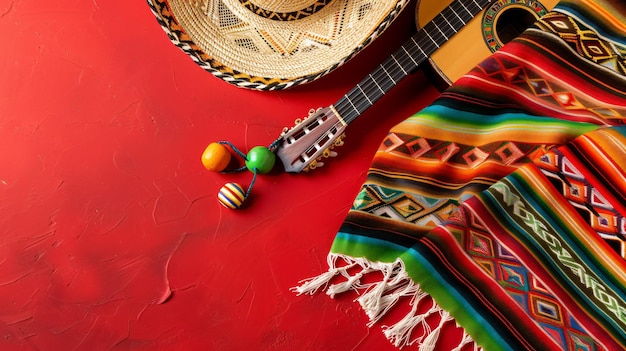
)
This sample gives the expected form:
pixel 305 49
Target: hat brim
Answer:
pixel 271 71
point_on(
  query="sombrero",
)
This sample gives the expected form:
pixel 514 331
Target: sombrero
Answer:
pixel 273 44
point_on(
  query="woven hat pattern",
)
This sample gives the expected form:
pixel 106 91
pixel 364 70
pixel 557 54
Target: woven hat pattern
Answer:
pixel 270 45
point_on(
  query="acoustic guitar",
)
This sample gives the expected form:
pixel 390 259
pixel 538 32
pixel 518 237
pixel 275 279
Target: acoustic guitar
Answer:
pixel 444 30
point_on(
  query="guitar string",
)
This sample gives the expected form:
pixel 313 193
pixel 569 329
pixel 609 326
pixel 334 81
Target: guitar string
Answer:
pixel 405 59
pixel 392 71
pixel 398 71
pixel 447 23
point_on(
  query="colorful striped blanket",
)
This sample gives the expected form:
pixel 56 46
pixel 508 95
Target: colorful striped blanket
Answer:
pixel 504 201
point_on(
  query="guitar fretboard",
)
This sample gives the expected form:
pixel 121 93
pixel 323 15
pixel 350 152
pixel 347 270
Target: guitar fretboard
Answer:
pixel 408 57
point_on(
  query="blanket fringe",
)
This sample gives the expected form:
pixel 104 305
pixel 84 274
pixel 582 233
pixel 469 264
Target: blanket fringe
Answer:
pixel 377 298
pixel 400 333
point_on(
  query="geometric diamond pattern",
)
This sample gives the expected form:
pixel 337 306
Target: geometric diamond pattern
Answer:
pixel 509 153
pixel 488 266
pixel 585 42
pixel 475 157
pixel 514 276
pixel 543 306
pixel 540 87
pixel 582 342
pixel 556 333
pixel 406 206
pixel 398 204
pixel 519 283
pixel 418 147
pixel 480 245
pixel 567 100
pixel 586 199
pixel 550 91
pixel 459 155
pixel 446 150
pixel 423 209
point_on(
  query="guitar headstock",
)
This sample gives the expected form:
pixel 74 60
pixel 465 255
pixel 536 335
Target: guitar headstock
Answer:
pixel 304 146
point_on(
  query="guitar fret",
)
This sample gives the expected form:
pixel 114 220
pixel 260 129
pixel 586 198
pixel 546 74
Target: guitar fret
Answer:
pixel 468 11
pixel 408 57
pixel 431 38
pixel 408 54
pixel 383 67
pixel 457 15
pixel 364 94
pixel 418 46
pixel 440 31
pixel 381 77
pixel 450 27
pixel 453 21
pixel 375 82
pixel 448 22
pixel 351 104
pixel 399 65
pixel 460 15
pixel 478 7
pixel 384 82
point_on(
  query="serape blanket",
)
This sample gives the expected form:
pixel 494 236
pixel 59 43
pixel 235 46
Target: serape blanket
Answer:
pixel 504 201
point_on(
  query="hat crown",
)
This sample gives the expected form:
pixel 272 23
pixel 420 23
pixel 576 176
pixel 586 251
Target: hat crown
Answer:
pixel 284 10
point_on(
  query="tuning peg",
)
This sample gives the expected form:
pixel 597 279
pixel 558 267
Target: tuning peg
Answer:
pixel 313 111
pixel 313 165
pixel 339 141
pixel 328 153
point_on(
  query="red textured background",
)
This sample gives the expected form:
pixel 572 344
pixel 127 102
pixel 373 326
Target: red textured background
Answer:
pixel 111 237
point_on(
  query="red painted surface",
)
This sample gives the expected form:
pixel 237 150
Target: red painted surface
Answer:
pixel 111 237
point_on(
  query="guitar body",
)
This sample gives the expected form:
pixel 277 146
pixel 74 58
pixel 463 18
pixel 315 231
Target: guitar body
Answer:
pixel 500 22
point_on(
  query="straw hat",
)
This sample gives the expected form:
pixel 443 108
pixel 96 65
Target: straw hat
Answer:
pixel 273 44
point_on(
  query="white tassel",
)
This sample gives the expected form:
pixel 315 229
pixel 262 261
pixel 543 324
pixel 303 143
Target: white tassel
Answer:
pixel 400 333
pixel 312 285
pixel 379 297
pixel 379 300
pixel 382 296
pixel 352 283
pixel 430 341
pixel 465 341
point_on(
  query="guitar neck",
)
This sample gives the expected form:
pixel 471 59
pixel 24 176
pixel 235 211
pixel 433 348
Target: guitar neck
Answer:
pixel 408 57
pixel 302 146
